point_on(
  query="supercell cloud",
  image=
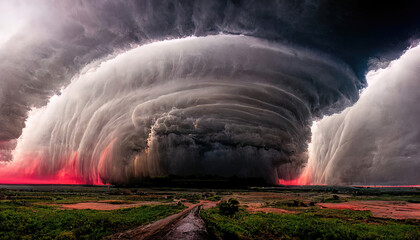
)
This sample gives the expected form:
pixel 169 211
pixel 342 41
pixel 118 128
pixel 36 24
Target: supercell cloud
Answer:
pixel 217 105
pixel 115 91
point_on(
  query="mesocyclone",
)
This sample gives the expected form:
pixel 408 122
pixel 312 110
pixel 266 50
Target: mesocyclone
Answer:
pixel 224 105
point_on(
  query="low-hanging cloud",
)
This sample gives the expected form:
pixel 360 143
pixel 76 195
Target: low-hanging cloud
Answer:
pixel 376 141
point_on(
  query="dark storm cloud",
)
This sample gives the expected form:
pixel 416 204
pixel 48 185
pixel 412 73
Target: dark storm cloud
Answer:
pixel 217 105
pixel 58 38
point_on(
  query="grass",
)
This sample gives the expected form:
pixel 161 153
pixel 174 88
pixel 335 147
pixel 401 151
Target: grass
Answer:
pixel 29 221
pixel 195 198
pixel 76 197
pixel 119 195
pixel 333 198
pixel 24 214
pixel 314 223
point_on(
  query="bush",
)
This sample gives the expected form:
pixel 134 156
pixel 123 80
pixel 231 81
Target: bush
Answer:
pixel 229 208
pixel 214 198
pixel 296 203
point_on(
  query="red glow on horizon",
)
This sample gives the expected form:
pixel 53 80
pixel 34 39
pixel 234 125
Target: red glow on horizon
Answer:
pixel 18 172
pixel 303 179
pixel 26 180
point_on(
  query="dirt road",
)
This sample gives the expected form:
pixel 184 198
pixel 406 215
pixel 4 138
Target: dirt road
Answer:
pixel 184 225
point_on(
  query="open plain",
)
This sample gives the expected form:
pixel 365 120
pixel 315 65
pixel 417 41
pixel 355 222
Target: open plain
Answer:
pixel 284 212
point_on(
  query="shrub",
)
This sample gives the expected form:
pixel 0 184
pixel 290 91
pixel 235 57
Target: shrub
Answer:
pixel 214 198
pixel 229 208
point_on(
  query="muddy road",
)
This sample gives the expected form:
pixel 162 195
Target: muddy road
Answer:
pixel 185 225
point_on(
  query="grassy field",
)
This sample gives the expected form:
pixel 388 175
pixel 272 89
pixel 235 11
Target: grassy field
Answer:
pixel 32 221
pixel 314 223
pixel 36 212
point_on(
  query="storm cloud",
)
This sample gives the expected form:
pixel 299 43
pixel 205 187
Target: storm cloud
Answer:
pixel 218 105
pixel 377 140
pixel 237 99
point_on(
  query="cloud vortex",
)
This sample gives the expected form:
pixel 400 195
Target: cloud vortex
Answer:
pixel 217 105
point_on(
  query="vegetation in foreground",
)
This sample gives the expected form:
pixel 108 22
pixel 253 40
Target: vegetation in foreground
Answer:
pixel 315 223
pixel 23 216
pixel 30 221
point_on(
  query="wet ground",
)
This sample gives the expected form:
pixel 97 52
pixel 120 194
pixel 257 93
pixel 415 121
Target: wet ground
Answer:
pixel 185 225
pixel 192 227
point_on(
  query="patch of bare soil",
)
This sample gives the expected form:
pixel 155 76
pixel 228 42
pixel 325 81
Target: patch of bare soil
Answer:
pixel 254 197
pixel 204 203
pixel 105 205
pixel 259 207
pixel 184 225
pixel 384 209
pixel 269 210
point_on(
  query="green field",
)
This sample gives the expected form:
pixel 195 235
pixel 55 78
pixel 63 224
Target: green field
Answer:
pixel 314 223
pixel 37 212
pixel 32 221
